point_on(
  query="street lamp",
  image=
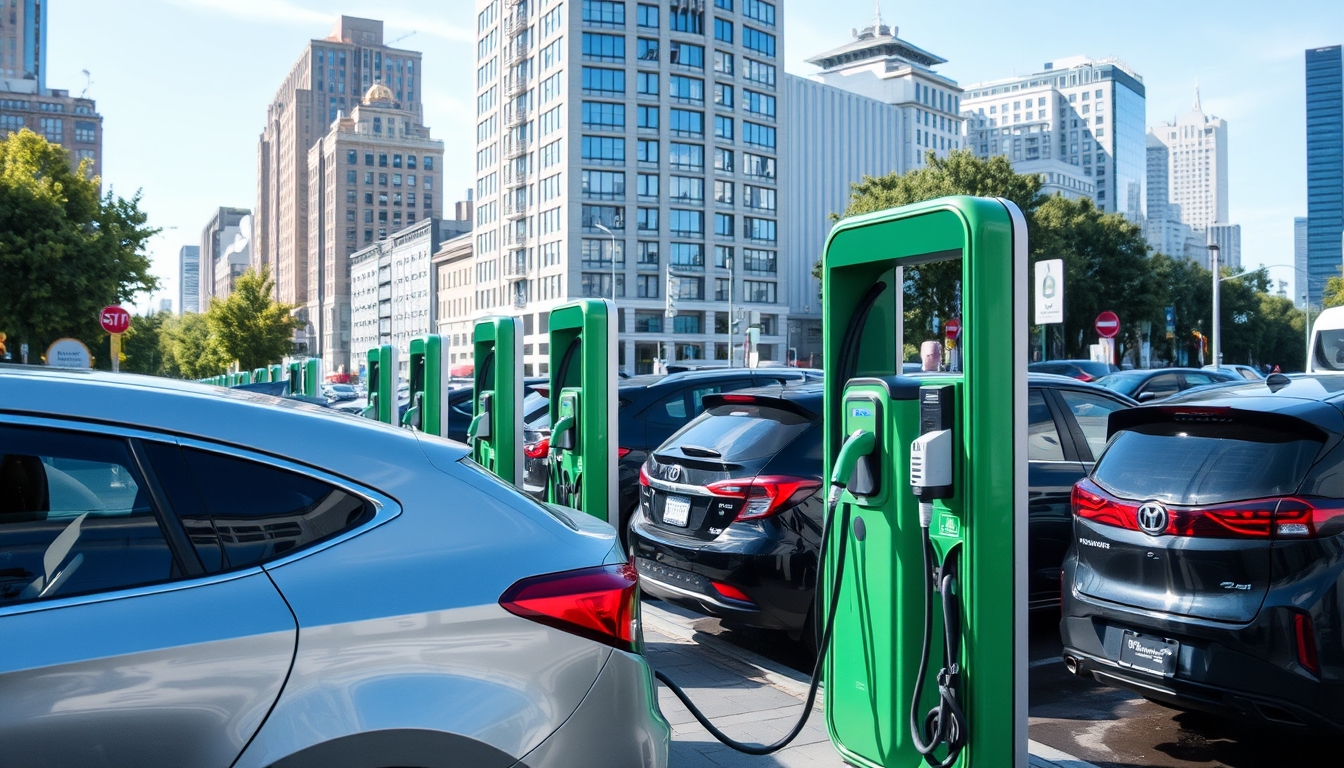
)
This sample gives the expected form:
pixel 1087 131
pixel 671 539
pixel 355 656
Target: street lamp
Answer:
pixel 612 235
pixel 1215 349
pixel 731 319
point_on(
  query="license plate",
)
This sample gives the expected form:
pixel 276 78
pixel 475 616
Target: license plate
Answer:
pixel 676 510
pixel 1146 653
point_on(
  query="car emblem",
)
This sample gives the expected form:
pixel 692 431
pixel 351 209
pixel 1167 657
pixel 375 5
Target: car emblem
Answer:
pixel 1152 518
pixel 673 473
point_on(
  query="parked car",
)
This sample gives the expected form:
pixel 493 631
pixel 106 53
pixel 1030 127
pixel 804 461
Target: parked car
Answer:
pixel 650 409
pixel 1082 370
pixel 1160 383
pixel 701 542
pixel 461 405
pixel 1208 557
pixel 213 578
pixel 336 393
pixel 1247 372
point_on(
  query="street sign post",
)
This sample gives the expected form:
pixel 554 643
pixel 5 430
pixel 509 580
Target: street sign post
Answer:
pixel 115 321
pixel 953 329
pixel 1049 291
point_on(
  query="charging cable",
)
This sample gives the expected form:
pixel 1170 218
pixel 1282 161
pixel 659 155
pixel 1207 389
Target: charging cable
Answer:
pixel 945 723
pixel 858 445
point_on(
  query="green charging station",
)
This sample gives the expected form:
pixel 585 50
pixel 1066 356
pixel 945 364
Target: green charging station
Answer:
pixel 261 375
pixel 937 507
pixel 277 372
pixel 496 431
pixel 381 380
pixel 583 360
pixel 312 377
pixel 294 375
pixel 428 383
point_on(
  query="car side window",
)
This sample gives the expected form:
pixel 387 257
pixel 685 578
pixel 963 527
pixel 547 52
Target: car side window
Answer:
pixel 261 512
pixel 698 393
pixel 1043 443
pixel 1197 379
pixel 74 517
pixel 670 411
pixel 1092 412
pixel 1161 386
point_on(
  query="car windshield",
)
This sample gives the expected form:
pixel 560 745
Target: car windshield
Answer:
pixel 536 411
pixel 1329 352
pixel 1124 383
pixel 738 432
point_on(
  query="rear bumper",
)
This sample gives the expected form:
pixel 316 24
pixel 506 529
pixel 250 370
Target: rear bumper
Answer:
pixel 618 724
pixel 776 571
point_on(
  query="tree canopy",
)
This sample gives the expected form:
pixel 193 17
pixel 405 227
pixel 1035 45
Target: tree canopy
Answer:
pixel 66 251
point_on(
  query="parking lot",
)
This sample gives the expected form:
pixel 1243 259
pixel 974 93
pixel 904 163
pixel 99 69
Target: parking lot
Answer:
pixel 1108 727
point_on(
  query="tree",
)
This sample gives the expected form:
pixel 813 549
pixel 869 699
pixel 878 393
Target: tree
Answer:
pixel 188 349
pixel 250 326
pixel 1334 293
pixel 65 252
pixel 141 346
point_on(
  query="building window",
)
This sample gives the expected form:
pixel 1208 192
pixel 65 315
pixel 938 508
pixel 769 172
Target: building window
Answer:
pixel 759 103
pixel 757 134
pixel 723 127
pixel 603 116
pixel 686 323
pixel 686 189
pixel 723 30
pixel 410 162
pixel 599 81
pixel 759 229
pixel 686 223
pixel 597 285
pixel 723 256
pixel 759 291
pixel 646 16
pixel 759 262
pixel 646 49
pixel 646 83
pixel 646 286
pixel 692 288
pixel 687 157
pixel 429 163
pixel 687 55
pixel 686 90
pixel 604 184
pixel 682 17
pixel 604 13
pixel 647 253
pixel 723 192
pixel 759 166
pixel 723 62
pixel 756 40
pixel 690 255
pixel 723 95
pixel 600 47
pixel 723 161
pixel 759 10
pixel 597 252
pixel 648 322
pixel 53 128
pixel 646 219
pixel 646 151
pixel 723 224
pixel 349 177
pixel 760 198
pixel 396 161
pixel 647 118
pixel 600 148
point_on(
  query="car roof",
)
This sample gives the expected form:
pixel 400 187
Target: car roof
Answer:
pixel 644 381
pixel 1278 392
pixel 339 443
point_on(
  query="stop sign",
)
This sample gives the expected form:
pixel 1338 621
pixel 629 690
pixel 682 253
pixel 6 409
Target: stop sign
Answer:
pixel 953 328
pixel 1108 325
pixel 115 319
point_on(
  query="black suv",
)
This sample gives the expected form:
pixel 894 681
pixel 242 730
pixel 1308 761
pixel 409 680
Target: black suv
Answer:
pixel 732 505
pixel 1207 566
pixel 651 408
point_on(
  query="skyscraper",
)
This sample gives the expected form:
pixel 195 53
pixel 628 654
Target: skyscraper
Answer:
pixel 374 173
pixel 25 100
pixel 1086 114
pixel 1300 260
pixel 1187 188
pixel 328 79
pixel 1325 167
pixel 23 42
pixel 217 239
pixel 629 127
pixel 189 278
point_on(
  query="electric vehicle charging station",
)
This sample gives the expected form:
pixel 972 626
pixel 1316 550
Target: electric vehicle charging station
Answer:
pixel 496 431
pixel 583 362
pixel 428 411
pixel 382 384
pixel 277 372
pixel 294 375
pixel 261 375
pixel 312 377
pixel 944 484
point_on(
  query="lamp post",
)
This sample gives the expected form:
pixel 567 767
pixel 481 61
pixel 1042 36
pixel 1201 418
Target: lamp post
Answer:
pixel 1215 347
pixel 731 320
pixel 612 235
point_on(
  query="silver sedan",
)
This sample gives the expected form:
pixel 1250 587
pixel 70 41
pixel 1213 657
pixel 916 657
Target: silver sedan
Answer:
pixel 196 576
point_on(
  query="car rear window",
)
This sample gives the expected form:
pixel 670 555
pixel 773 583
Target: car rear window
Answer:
pixel 1179 467
pixel 741 432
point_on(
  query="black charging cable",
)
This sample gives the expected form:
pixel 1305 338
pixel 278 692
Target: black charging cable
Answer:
pixel 945 723
pixel 822 647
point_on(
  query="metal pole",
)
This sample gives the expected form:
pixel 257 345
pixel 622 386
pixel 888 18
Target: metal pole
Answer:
pixel 612 236
pixel 731 361
pixel 1216 350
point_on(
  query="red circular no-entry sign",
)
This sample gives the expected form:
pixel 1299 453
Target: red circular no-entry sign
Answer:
pixel 952 328
pixel 1108 325
pixel 115 319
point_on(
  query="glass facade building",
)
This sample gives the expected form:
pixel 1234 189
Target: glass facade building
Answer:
pixel 1325 167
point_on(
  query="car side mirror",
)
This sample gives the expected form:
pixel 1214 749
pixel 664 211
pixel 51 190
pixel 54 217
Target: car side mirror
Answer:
pixel 1145 397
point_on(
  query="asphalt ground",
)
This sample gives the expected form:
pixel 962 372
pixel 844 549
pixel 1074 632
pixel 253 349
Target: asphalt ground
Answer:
pixel 1108 727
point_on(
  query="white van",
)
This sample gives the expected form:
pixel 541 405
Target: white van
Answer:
pixel 1327 342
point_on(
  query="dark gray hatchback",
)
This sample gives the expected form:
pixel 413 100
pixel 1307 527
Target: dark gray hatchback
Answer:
pixel 1207 564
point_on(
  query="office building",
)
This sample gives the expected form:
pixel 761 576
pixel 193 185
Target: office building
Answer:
pixel 393 291
pixel 1228 239
pixel 219 234
pixel 189 278
pixel 233 260
pixel 1085 114
pixel 328 79
pixel 26 102
pixel 1162 225
pixel 166 306
pixel 620 129
pixel 455 293
pixel 1300 261
pixel 375 172
pixel 1196 164
pixel 1325 168
pixel 832 138
pixel 880 65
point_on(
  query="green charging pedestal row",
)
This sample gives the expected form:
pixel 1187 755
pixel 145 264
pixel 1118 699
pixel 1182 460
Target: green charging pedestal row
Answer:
pixel 967 477
pixel 583 359
pixel 428 384
pixel 496 430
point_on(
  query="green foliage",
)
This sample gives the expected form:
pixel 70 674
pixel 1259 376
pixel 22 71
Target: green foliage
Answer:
pixel 250 326
pixel 141 348
pixel 65 252
pixel 188 349
pixel 1334 293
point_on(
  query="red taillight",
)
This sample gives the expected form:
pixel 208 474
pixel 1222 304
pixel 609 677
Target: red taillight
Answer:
pixel 537 450
pixel 765 495
pixel 600 603
pixel 1085 376
pixel 731 592
pixel 1279 518
pixel 1305 633
pixel 621 453
pixel 643 476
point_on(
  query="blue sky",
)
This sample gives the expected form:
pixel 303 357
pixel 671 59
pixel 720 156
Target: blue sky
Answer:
pixel 183 84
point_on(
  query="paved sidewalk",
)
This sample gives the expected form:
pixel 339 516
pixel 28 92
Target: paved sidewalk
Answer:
pixel 748 697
